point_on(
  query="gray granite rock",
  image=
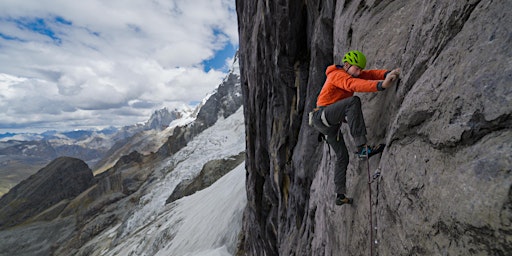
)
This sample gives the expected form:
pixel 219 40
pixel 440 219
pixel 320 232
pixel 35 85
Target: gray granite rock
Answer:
pixel 446 180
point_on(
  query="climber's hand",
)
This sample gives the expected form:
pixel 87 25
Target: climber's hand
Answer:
pixel 390 78
pixel 395 72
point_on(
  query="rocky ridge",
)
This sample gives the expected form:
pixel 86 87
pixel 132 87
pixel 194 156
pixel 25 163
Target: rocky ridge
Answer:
pixel 62 179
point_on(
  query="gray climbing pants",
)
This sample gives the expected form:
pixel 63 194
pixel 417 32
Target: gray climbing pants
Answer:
pixel 328 121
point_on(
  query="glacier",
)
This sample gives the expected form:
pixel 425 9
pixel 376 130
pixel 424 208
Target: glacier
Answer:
pixel 205 223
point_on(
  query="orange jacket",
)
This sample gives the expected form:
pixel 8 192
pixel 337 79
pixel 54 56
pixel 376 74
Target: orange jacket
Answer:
pixel 340 85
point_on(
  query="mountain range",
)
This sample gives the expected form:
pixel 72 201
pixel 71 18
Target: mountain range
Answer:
pixel 22 154
pixel 148 192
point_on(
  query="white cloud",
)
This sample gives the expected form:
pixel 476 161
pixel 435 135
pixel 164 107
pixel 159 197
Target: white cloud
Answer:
pixel 67 63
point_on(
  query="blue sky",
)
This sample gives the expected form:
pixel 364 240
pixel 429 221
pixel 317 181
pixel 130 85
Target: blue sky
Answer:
pixel 75 65
pixel 218 61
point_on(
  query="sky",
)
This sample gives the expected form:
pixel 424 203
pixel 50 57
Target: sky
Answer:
pixel 67 65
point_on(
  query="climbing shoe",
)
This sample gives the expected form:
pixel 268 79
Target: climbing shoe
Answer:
pixel 372 150
pixel 342 199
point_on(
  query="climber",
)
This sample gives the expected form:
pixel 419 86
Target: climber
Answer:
pixel 336 102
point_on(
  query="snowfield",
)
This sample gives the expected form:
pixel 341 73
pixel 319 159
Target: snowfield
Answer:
pixel 205 223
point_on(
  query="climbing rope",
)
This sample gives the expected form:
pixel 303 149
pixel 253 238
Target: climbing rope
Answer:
pixel 370 196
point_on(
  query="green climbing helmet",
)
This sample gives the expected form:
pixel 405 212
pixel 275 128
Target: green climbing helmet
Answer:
pixel 355 58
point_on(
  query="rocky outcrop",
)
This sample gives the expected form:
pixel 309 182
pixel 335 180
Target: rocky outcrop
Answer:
pixel 211 172
pixel 127 175
pixel 224 102
pixel 131 159
pixel 446 183
pixel 63 178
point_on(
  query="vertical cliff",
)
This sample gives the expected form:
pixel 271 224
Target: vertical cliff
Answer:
pixel 446 183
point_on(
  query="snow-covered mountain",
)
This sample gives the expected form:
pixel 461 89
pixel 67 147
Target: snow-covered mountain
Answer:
pixel 169 201
pixel 161 119
pixel 207 221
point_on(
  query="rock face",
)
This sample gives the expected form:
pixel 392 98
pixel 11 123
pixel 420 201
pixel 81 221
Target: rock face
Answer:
pixel 446 183
pixel 63 178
